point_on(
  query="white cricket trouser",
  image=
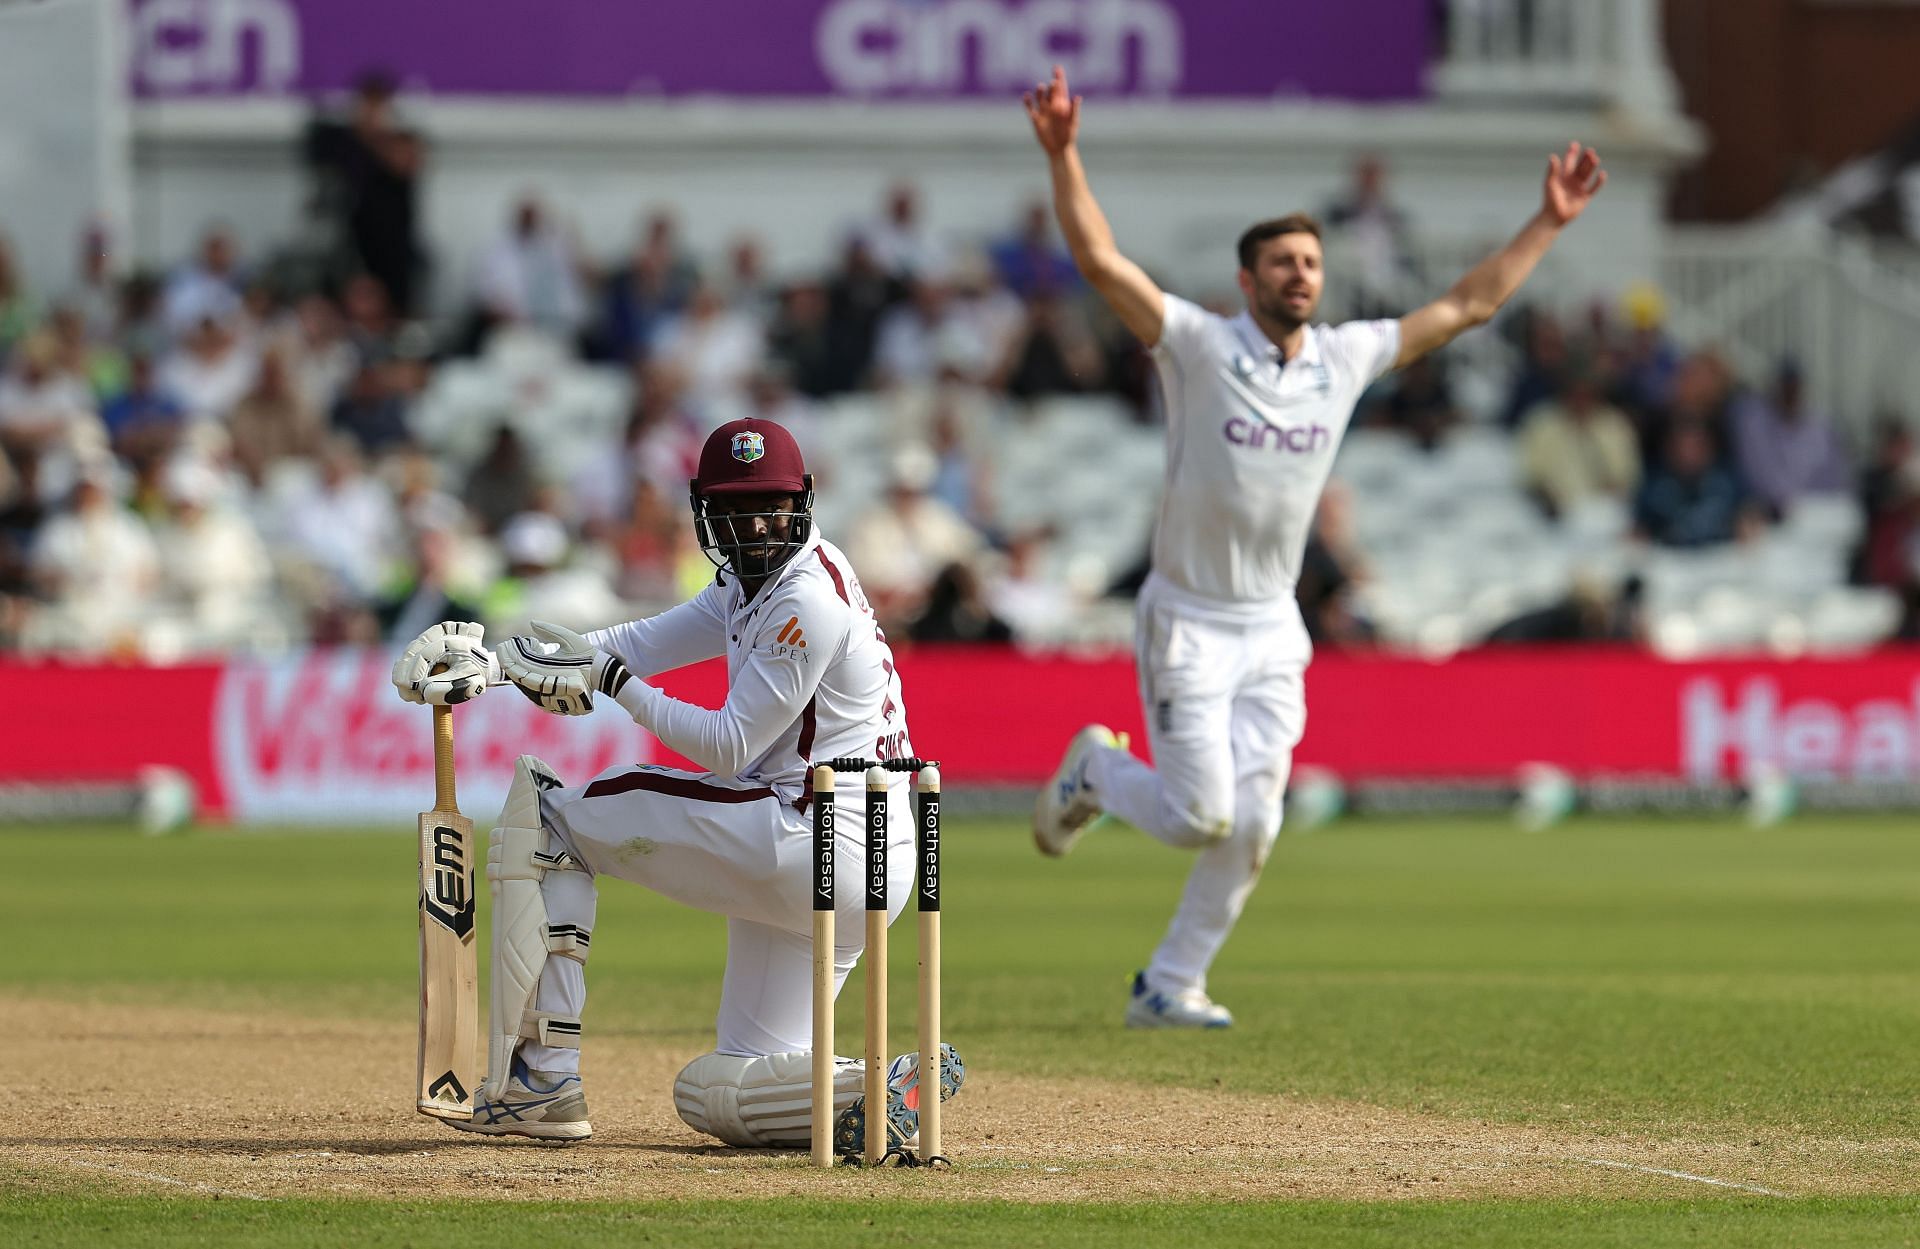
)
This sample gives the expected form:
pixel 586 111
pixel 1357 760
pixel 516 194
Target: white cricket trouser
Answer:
pixel 717 845
pixel 1225 704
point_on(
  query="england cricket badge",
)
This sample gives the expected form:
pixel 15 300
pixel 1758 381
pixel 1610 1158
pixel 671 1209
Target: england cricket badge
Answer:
pixel 749 447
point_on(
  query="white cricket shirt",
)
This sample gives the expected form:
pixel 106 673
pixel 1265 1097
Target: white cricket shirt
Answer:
pixel 1250 441
pixel 809 674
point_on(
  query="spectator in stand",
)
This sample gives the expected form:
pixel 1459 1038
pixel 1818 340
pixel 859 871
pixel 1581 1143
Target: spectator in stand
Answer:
pixel 144 418
pixel 1032 261
pixel 982 300
pixel 1701 395
pixel 539 585
pixel 16 582
pixel 1055 353
pixel 1578 447
pixel 19 310
pixel 342 527
pixel 96 566
pixel 1368 224
pixel 902 245
pixel 901 543
pixel 958 479
pixel 663 437
pixel 273 423
pixel 371 325
pixel 205 289
pixel 648 547
pixel 43 410
pixel 1421 405
pixel 418 494
pixel 97 362
pixel 374 165
pixel 661 245
pixel 746 287
pixel 503 483
pixel 1029 596
pixel 650 288
pixel 715 348
pixel 313 344
pixel 146 493
pixel 1644 366
pixel 529 276
pixel 858 296
pixel 141 331
pixel 1784 448
pixel 1891 503
pixel 21 514
pixel 923 336
pixel 95 295
pixel 410 367
pixel 803 337
pixel 431 586
pixel 957 610
pixel 661 445
pixel 1543 357
pixel 1332 568
pixel 1689 499
pixel 214 571
pixel 373 412
pixel 211 370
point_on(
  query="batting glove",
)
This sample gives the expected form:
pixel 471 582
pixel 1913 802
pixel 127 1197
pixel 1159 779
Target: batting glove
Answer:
pixel 465 667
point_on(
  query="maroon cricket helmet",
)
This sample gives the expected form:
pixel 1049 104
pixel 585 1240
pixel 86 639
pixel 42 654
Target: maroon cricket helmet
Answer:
pixel 750 456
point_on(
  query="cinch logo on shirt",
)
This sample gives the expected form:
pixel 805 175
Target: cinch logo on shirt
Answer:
pixel 1258 435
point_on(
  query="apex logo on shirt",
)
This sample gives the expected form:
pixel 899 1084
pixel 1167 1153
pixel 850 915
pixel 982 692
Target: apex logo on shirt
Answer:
pixel 790 642
pixel 1259 436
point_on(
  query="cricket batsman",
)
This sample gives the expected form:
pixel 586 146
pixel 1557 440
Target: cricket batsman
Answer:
pixel 810 676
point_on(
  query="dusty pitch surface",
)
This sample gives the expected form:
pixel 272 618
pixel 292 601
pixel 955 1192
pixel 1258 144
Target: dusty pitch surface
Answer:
pixel 269 1105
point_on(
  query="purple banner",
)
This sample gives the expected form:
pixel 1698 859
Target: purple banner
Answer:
pixel 912 49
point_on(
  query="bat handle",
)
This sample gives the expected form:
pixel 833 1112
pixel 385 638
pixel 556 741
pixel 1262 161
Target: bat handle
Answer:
pixel 443 760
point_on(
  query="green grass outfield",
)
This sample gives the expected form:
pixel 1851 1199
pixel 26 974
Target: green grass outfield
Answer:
pixel 1660 977
pixel 163 1223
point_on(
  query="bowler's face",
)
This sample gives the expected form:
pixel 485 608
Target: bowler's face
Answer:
pixel 1286 279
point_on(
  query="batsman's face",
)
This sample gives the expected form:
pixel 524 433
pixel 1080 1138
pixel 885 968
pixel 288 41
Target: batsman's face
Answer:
pixel 1286 279
pixel 749 522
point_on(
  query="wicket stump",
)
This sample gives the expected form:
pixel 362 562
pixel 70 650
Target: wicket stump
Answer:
pixel 874 874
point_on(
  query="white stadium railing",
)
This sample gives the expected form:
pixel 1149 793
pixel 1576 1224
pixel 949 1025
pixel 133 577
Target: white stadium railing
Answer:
pixel 1568 52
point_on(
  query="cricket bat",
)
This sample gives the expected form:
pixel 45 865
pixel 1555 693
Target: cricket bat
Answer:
pixel 449 979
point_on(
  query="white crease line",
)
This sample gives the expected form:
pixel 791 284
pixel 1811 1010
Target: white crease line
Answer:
pixel 165 1179
pixel 1680 1175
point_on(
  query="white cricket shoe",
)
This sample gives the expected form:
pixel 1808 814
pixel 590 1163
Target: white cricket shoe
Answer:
pixel 1066 806
pixel 1149 1008
pixel 544 1105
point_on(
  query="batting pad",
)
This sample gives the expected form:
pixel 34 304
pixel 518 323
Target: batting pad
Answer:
pixel 759 1101
pixel 517 861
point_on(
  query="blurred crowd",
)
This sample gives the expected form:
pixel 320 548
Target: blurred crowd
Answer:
pixel 232 454
pixel 1606 412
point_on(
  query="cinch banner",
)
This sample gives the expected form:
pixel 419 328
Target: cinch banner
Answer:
pixel 926 49
pixel 320 737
